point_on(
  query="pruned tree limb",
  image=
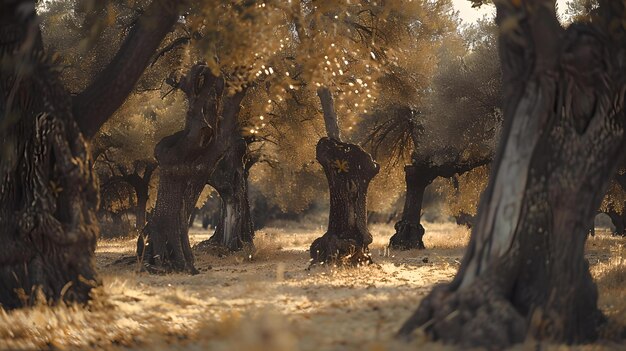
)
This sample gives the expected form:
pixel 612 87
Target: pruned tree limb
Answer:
pixel 330 116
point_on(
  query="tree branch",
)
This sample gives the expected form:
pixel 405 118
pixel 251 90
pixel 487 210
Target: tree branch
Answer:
pixel 95 105
pixel 173 45
pixel 330 116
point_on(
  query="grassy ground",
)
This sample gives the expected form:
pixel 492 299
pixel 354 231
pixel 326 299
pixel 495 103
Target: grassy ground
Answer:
pixel 266 299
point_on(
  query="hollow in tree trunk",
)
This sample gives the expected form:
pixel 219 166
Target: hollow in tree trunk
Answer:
pixel 349 170
pixel 524 269
pixel 235 229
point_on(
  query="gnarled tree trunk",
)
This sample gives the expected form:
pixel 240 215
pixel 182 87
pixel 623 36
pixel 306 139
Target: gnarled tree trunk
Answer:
pixel 186 161
pixel 349 170
pixel 168 245
pixel 230 179
pixel 48 193
pixel 524 270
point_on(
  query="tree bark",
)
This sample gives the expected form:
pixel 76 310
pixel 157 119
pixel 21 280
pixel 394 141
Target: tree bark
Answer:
pixel 409 230
pixel 167 234
pixel 192 217
pixel 48 192
pixel 525 268
pixel 349 170
pixel 186 161
pixel 235 229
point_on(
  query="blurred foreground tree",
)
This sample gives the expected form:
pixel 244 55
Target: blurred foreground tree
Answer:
pixel 563 139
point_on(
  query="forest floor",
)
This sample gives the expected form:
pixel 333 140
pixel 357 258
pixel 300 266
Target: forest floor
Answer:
pixel 267 299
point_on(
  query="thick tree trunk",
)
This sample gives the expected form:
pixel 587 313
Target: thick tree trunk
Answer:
pixel 186 160
pixel 525 269
pixel 235 229
pixel 409 230
pixel 168 246
pixel 349 170
pixel 48 193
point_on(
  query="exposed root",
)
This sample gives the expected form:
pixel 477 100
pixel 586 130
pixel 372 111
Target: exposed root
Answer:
pixel 477 316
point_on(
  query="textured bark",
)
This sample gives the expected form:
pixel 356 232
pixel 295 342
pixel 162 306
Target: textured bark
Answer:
pixel 235 229
pixel 525 268
pixel 167 246
pixel 48 193
pixel 192 217
pixel 349 170
pixel 186 161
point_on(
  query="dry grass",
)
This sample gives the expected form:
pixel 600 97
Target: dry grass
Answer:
pixel 265 299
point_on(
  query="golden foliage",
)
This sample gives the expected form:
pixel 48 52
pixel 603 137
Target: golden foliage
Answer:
pixel 615 199
pixel 461 194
